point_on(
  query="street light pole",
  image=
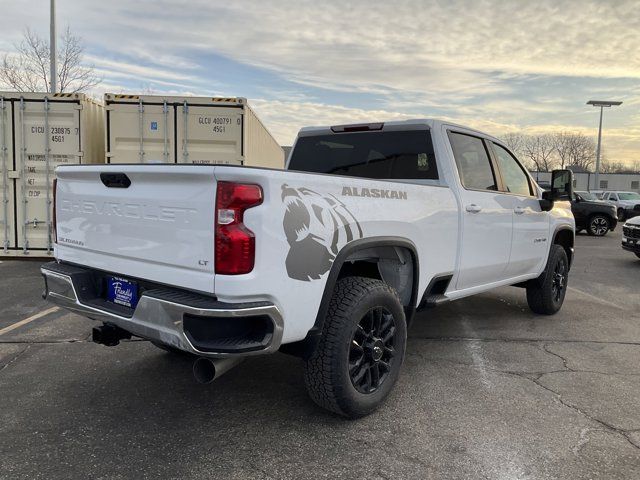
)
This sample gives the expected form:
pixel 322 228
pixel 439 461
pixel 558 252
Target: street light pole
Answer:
pixel 601 104
pixel 52 48
pixel 596 180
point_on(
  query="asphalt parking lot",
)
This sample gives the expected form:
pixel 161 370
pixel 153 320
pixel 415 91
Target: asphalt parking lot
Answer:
pixel 488 390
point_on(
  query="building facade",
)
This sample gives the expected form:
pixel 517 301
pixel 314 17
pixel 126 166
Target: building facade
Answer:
pixel 628 182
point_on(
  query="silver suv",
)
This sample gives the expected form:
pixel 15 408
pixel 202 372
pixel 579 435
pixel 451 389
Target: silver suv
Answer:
pixel 627 203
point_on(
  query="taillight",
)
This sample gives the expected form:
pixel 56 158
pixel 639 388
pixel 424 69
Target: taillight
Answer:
pixel 235 244
pixel 54 224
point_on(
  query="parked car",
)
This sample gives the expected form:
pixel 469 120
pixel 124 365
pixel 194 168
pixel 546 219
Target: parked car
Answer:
pixel 327 260
pixel 595 216
pixel 631 236
pixel 546 186
pixel 598 193
pixel 627 203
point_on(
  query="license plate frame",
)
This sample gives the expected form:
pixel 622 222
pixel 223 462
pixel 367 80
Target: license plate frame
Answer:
pixel 122 291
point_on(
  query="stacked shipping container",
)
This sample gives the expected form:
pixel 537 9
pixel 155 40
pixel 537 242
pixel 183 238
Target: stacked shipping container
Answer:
pixel 202 130
pixel 38 132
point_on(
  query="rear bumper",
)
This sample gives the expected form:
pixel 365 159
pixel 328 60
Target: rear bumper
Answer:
pixel 190 322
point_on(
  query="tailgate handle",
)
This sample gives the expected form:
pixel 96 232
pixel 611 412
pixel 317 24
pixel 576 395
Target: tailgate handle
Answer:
pixel 115 180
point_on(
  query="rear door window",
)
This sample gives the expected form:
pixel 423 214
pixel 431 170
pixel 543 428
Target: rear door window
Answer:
pixel 401 155
pixel 472 159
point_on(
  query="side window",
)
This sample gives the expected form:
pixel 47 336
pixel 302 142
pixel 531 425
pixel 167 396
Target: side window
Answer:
pixel 514 177
pixel 473 162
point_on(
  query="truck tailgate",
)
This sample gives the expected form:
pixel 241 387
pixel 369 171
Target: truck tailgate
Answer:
pixel 160 227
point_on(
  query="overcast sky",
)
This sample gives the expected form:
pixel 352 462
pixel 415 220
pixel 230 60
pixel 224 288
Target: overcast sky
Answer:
pixel 500 66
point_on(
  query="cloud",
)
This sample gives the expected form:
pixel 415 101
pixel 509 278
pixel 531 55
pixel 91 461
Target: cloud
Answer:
pixel 499 65
pixel 285 118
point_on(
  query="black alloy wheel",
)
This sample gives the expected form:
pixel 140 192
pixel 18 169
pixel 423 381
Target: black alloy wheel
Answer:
pixel 559 282
pixel 598 226
pixel 371 353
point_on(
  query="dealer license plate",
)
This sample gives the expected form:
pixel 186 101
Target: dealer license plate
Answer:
pixel 123 292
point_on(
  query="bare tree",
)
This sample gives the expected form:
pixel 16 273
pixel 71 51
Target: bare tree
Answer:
pixel 581 151
pixel 515 142
pixel 562 146
pixel 540 150
pixel 607 166
pixel 27 70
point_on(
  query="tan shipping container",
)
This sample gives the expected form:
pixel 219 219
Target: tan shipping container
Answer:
pixel 201 130
pixel 38 132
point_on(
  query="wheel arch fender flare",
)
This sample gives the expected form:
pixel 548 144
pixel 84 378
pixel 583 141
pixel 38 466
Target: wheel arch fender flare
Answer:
pixel 564 235
pixel 306 345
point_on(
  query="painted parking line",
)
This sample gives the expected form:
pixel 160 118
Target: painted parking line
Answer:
pixel 29 320
pixel 595 299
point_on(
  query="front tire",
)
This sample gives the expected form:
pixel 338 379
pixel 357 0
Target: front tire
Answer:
pixel 598 226
pixel 357 361
pixel 637 254
pixel 545 295
pixel 621 215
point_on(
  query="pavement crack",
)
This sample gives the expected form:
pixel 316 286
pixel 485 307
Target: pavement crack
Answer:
pixel 545 348
pixel 61 342
pixel 519 340
pixel 608 427
pixel 41 342
pixel 15 358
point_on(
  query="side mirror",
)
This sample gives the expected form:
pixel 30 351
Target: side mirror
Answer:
pixel 562 185
pixel 561 189
pixel 546 203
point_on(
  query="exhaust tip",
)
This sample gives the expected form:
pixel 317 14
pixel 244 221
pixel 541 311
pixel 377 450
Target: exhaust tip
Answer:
pixel 204 370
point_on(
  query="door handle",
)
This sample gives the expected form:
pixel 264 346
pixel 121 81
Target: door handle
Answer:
pixel 473 208
pixel 518 210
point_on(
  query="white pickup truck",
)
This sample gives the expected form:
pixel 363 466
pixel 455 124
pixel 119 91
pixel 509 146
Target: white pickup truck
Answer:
pixel 328 260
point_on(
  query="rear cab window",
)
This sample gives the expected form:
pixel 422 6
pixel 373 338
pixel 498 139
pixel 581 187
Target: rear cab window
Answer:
pixel 382 155
pixel 472 160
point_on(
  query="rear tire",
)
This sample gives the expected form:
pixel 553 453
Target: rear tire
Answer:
pixel 357 361
pixel 599 225
pixel 637 254
pixel 545 295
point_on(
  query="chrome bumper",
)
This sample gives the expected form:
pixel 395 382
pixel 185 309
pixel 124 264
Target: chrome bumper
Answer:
pixel 158 319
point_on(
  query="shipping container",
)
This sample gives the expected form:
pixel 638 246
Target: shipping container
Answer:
pixel 201 130
pixel 39 131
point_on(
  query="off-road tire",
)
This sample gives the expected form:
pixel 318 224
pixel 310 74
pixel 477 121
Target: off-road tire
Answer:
pixel 541 295
pixel 327 374
pixel 598 225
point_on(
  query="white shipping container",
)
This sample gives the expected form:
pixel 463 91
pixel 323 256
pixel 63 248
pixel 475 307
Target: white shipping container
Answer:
pixel 200 130
pixel 39 131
